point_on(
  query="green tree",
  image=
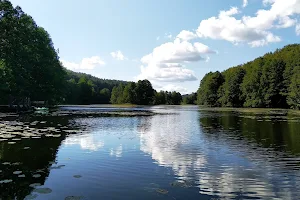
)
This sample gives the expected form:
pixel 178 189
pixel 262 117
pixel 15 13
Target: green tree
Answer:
pixel 176 98
pixel 190 99
pixel 230 94
pixel 271 83
pixel 117 94
pixel 104 96
pixel 208 90
pixel 144 92
pixel 32 66
pixel 251 87
pixel 294 90
pixel 129 93
pixel 160 98
pixel 86 90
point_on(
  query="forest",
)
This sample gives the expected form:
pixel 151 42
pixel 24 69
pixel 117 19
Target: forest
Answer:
pixel 270 81
pixel 30 70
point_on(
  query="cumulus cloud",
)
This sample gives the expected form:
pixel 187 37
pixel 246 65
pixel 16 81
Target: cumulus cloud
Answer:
pixel 166 73
pixel 166 62
pixel 85 64
pixel 227 27
pixel 280 15
pixel 254 30
pixel 186 35
pixel 177 52
pixel 245 3
pixel 118 55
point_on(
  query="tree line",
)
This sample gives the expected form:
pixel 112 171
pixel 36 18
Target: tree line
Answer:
pixel 29 64
pixel 30 70
pixel 270 81
pixel 142 93
pixel 82 88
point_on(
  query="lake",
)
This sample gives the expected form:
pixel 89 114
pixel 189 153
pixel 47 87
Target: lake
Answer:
pixel 160 152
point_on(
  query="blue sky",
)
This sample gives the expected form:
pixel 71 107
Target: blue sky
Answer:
pixel 171 43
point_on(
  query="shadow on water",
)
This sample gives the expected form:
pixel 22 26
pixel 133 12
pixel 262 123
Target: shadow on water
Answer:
pixel 279 132
pixel 25 162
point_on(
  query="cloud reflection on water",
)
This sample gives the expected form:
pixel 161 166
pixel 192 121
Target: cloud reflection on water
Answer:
pixel 87 142
pixel 213 165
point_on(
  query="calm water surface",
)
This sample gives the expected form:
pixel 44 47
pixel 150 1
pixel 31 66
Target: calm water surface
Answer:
pixel 185 154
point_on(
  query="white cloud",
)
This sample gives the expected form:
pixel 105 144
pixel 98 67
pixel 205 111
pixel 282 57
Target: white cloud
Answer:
pixel 166 62
pixel 85 64
pixel 278 16
pixel 177 52
pixel 298 29
pixel 227 27
pixel 118 55
pixel 186 35
pixel 245 3
pixel 227 13
pixel 268 2
pixel 166 73
pixel 254 30
pixel 172 87
pixel 157 38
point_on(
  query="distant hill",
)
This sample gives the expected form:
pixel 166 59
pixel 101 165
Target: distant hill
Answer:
pixel 83 88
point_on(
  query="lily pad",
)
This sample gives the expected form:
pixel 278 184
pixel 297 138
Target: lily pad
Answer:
pixel 17 172
pixel 162 191
pixel 34 185
pixel 11 143
pixel 16 163
pixel 57 167
pixel 6 163
pixel 31 196
pixel 77 176
pixel 26 148
pixel 42 190
pixel 36 176
pixel 22 176
pixel 6 181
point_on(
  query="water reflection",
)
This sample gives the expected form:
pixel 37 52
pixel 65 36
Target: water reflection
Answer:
pixel 228 154
pixel 210 154
pixel 33 165
pixel 86 142
pixel 117 152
